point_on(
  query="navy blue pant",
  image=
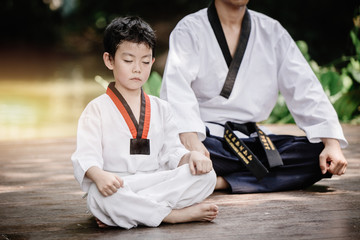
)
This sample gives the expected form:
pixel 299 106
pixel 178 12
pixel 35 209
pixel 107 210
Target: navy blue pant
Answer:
pixel 300 170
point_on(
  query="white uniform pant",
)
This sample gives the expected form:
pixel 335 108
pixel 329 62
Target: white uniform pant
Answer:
pixel 146 199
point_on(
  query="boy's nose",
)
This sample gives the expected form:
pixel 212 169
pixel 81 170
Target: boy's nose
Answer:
pixel 136 69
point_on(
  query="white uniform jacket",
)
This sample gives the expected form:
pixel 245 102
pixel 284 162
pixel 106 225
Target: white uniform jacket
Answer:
pixel 103 140
pixel 196 70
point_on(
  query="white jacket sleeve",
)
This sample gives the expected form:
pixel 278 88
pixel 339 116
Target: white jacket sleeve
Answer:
pixel 304 94
pixel 89 148
pixel 181 69
pixel 172 150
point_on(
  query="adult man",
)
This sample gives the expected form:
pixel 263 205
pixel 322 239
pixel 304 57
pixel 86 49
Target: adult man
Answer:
pixel 206 49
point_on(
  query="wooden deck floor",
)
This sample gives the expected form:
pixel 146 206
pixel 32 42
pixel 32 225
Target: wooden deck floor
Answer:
pixel 39 199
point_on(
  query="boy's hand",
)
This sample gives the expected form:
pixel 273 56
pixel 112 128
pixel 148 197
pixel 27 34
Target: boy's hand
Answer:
pixel 106 182
pixel 199 163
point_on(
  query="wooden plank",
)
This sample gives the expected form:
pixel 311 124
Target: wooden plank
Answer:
pixel 40 199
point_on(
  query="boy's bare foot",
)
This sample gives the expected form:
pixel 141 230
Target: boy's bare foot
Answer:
pixel 100 223
pixel 221 184
pixel 195 213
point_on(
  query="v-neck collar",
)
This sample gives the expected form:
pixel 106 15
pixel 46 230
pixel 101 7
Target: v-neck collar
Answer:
pixel 220 36
pixel 232 63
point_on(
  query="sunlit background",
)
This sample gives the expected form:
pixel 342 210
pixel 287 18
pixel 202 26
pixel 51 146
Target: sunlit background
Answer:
pixel 51 51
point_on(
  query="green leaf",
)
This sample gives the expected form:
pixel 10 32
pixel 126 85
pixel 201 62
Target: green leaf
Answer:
pixel 354 68
pixel 287 119
pixel 280 113
pixel 355 41
pixel 331 81
pixel 302 45
pixel 348 104
pixel 101 81
pixel 153 84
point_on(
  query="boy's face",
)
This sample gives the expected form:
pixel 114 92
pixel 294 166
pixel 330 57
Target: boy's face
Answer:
pixel 131 65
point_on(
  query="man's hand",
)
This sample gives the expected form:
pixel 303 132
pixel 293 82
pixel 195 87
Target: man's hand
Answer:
pixel 198 162
pixel 192 143
pixel 331 158
pixel 106 182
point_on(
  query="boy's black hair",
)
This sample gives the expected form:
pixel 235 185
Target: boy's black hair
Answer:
pixel 132 29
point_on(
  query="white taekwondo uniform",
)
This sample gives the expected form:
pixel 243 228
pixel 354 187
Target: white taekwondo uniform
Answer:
pixel 196 70
pixel 153 184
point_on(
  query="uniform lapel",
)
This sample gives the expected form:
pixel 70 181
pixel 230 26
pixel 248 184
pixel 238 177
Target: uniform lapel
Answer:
pixel 233 64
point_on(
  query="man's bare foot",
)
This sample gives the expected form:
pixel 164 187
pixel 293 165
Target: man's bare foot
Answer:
pixel 100 223
pixel 221 184
pixel 196 213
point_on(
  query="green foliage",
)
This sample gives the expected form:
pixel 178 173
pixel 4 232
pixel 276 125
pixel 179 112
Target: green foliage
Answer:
pixel 280 113
pixel 340 80
pixel 153 84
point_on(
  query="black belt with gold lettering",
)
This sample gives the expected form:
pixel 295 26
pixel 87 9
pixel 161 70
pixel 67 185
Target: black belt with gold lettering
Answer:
pixel 245 155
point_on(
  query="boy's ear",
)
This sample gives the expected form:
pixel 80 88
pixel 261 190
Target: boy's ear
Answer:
pixel 108 60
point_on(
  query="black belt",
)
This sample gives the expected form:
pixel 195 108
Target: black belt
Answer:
pixel 245 155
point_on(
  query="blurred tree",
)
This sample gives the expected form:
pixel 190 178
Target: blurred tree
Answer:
pixel 77 25
pixel 30 22
pixel 322 24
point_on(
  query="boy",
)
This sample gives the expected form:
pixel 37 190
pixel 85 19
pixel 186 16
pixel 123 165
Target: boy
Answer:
pixel 129 158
